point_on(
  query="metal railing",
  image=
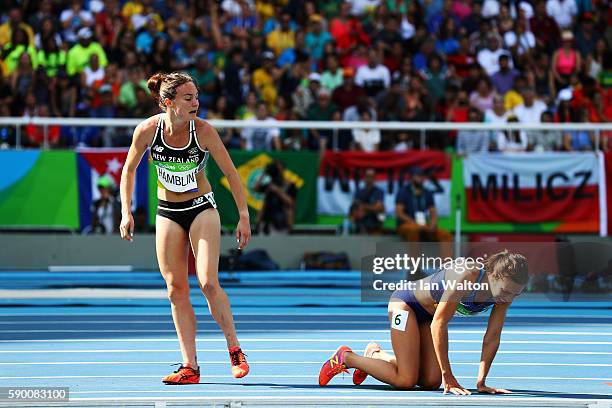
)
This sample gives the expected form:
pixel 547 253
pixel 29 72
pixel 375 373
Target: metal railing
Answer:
pixel 421 127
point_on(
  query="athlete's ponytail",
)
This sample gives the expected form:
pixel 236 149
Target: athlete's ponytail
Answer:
pixel 163 86
pixel 154 84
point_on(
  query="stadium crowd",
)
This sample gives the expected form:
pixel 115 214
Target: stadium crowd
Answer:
pixel 525 61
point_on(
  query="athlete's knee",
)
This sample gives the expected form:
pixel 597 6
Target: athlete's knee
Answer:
pixel 430 383
pixel 178 293
pixel 404 382
pixel 210 287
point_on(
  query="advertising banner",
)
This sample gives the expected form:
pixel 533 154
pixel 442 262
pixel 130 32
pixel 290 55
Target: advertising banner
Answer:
pixel 39 189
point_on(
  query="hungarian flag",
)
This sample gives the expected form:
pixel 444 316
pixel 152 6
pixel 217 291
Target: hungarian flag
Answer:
pixel 96 163
pixel 341 173
pixel 566 188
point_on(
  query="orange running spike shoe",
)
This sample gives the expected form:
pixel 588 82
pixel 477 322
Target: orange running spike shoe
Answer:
pixel 184 375
pixel 240 367
pixel 335 365
pixel 359 376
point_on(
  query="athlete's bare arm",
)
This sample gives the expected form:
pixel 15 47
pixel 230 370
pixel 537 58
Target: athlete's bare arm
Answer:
pixel 208 136
pixel 439 327
pixel 490 344
pixel 141 140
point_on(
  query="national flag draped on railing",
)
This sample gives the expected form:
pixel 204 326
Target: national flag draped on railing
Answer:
pixel 95 163
pixel 534 188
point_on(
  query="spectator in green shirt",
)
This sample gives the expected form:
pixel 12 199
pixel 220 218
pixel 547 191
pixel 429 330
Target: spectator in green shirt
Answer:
pixel 127 93
pixel 80 54
pixel 50 57
pixel 333 76
pixel 204 75
pixel 321 110
pixel 12 51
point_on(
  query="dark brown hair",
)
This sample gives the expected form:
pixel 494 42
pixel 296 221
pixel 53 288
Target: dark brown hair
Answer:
pixel 164 86
pixel 507 264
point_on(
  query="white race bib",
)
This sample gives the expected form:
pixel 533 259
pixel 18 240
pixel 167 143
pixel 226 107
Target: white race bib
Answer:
pixel 177 177
pixel 399 320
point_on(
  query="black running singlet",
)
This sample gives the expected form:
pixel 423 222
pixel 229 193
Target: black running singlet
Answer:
pixel 177 168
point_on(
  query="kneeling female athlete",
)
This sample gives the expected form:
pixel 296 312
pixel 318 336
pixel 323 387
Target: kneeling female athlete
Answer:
pixel 419 333
pixel 180 144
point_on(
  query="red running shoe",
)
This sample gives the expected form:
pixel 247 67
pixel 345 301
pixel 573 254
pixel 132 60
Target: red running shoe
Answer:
pixel 184 375
pixel 359 376
pixel 240 367
pixel 335 365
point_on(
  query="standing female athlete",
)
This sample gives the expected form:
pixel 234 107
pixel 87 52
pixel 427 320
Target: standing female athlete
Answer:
pixel 419 327
pixel 180 144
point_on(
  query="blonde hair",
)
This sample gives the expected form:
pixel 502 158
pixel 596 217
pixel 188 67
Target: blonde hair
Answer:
pixel 164 86
pixel 506 264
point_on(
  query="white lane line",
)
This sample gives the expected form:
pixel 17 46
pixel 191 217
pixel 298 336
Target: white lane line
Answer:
pixel 51 377
pixel 283 340
pixel 605 327
pixel 362 400
pixel 318 362
pixel 298 331
pixel 102 351
pixel 318 322
pixel 376 311
pixel 378 320
pixel 185 391
pixel 379 314
pixel 336 400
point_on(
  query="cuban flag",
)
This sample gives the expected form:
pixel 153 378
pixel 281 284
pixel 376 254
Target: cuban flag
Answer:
pixel 95 163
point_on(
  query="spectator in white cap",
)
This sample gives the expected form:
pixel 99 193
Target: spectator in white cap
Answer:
pixel 566 61
pixel 321 110
pixel 563 112
pixel 80 54
pixel 306 93
pixel 565 95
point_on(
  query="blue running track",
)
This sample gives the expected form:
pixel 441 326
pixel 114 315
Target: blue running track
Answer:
pixel 109 337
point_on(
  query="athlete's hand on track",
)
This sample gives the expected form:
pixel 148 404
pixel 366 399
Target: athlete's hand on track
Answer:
pixel 452 385
pixel 243 233
pixel 126 228
pixel 490 390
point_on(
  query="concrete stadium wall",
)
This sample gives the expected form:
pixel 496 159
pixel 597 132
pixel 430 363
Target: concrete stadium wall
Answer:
pixel 39 251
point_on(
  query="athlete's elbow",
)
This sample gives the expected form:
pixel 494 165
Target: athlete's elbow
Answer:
pixel 441 319
pixel 438 324
pixel 234 180
pixel 231 173
pixel 127 174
